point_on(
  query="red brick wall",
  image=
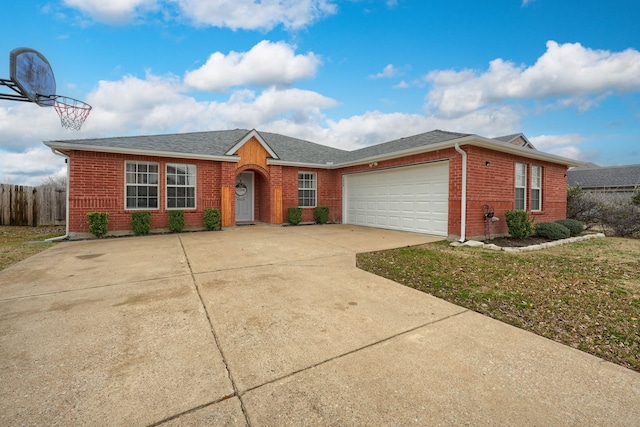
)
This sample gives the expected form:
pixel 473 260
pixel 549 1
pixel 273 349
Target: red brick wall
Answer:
pixel 327 193
pixel 494 185
pixel 96 183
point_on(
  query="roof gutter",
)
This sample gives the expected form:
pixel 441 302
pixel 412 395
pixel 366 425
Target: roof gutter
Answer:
pixel 55 146
pixel 463 201
pixel 66 234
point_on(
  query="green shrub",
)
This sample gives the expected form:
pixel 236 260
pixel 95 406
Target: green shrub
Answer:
pixel 98 223
pixel 176 221
pixel 575 227
pixel 519 223
pixel 212 218
pixel 294 215
pixel 552 230
pixel 141 222
pixel 636 197
pixel 321 214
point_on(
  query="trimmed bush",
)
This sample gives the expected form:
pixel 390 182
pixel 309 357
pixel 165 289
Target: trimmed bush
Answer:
pixel 552 230
pixel 141 222
pixel 98 223
pixel 575 227
pixel 212 218
pixel 294 215
pixel 176 221
pixel 321 214
pixel 519 223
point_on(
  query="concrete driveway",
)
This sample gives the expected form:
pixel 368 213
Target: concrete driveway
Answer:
pixel 273 326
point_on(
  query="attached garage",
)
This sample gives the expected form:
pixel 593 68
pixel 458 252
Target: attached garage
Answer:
pixel 408 198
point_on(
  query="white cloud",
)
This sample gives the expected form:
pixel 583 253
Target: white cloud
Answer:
pixel 388 72
pixel 234 14
pixel 112 11
pixel 266 64
pixel 544 142
pixel 562 145
pixel 30 167
pixel 255 14
pixel 580 75
pixel 157 104
pixel 374 127
pixel 526 3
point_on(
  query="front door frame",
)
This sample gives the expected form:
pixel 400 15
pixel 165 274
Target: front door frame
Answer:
pixel 249 176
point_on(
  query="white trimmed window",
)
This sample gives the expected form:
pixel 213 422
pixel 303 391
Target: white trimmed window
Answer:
pixel 141 185
pixel 307 184
pixel 181 186
pixel 536 188
pixel 521 186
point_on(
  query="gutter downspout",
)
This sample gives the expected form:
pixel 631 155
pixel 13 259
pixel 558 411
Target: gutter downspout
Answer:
pixel 66 234
pixel 463 202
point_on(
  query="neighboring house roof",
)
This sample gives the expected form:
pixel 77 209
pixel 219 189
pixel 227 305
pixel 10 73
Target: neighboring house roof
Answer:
pixel 220 145
pixel 516 139
pixel 593 177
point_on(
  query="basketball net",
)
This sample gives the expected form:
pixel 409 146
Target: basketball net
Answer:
pixel 72 112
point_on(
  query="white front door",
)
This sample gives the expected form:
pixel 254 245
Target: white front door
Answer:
pixel 244 196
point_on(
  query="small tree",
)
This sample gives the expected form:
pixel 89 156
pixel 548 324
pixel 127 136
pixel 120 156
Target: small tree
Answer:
pixel 583 206
pixel 176 221
pixel 520 224
pixel 636 197
pixel 621 216
pixel 141 222
pixel 295 215
pixel 98 223
pixel 212 218
pixel 321 214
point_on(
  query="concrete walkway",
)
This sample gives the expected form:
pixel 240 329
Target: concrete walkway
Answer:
pixel 273 326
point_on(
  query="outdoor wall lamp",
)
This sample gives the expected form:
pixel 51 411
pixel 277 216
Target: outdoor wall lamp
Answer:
pixel 487 163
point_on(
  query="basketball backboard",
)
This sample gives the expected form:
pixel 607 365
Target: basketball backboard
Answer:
pixel 32 80
pixel 33 75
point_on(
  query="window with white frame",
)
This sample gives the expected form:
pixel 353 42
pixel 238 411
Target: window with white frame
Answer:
pixel 536 188
pixel 181 186
pixel 307 189
pixel 141 185
pixel 521 186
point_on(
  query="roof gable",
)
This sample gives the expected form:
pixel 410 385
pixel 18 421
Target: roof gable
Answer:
pixel 252 134
pixel 517 139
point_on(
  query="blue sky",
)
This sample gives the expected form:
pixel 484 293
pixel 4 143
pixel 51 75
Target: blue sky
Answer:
pixel 344 73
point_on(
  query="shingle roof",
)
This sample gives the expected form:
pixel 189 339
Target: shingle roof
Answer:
pixel 415 141
pixel 288 149
pixel 605 177
pixel 219 144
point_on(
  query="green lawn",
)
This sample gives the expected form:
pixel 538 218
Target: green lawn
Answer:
pixel 585 295
pixel 15 246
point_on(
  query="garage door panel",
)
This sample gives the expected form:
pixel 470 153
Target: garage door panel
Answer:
pixel 411 198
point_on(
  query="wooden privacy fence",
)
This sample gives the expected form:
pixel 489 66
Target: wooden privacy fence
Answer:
pixel 23 205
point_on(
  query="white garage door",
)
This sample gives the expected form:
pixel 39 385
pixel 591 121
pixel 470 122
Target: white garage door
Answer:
pixel 408 198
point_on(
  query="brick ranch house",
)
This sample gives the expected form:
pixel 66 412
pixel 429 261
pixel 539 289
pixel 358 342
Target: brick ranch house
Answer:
pixel 436 182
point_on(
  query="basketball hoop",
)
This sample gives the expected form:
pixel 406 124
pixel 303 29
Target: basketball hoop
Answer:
pixel 72 112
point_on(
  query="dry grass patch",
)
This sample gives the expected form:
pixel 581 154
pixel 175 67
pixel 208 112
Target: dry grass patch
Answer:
pixel 586 295
pixel 15 246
